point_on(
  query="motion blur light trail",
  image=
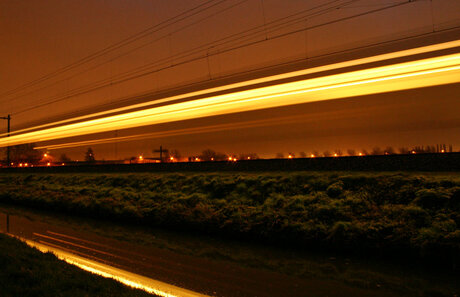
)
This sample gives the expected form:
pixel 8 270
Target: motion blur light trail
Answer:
pixel 402 76
pixel 169 133
pixel 382 57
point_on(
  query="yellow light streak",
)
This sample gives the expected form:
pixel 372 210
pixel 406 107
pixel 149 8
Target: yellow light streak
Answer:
pixel 188 131
pixel 402 76
pixel 377 58
pixel 128 278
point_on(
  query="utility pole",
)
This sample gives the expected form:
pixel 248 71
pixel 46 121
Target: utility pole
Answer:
pixel 8 148
pixel 161 151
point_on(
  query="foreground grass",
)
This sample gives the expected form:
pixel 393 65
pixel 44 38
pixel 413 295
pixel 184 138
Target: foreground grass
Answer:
pixel 406 213
pixel 28 272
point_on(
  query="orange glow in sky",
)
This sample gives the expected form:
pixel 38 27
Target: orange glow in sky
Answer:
pixel 403 76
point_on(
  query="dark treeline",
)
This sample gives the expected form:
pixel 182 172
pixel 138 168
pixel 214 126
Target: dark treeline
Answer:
pixel 27 154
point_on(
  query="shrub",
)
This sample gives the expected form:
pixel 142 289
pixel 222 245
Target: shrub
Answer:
pixel 430 198
pixel 406 194
pixel 335 190
pixel 454 200
pixel 416 216
pixel 356 203
pixel 327 213
pixel 342 233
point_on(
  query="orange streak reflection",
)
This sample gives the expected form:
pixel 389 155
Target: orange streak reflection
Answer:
pixel 125 277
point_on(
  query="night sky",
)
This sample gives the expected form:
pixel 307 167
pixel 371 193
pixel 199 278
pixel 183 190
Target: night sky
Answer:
pixel 40 37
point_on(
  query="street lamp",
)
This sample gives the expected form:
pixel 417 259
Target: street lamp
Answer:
pixel 8 118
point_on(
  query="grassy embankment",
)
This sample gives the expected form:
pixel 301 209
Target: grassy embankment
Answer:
pixel 416 214
pixel 397 279
pixel 28 272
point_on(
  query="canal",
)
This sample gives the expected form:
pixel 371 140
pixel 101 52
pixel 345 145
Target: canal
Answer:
pixel 195 265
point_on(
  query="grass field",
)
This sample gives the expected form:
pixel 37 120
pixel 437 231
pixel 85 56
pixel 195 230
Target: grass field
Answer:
pixel 28 272
pixel 390 213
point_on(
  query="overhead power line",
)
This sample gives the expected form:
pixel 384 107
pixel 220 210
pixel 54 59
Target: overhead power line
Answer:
pixel 187 53
pixel 186 14
pixel 136 73
pixel 167 35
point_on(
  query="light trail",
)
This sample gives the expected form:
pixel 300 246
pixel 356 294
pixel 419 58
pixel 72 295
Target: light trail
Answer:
pixel 377 58
pixel 170 133
pixel 128 278
pixel 396 77
pixel 74 244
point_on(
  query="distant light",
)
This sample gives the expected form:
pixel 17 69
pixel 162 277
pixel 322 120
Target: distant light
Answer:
pixel 20 164
pixel 235 159
pixel 312 156
pixel 48 164
pixel 290 156
pixel 45 155
pixel 62 164
pixel 442 151
pixel 212 159
pixel 413 152
pixel 140 157
pixel 249 158
pixel 230 158
pixel 197 159
pixel 335 155
pixel 360 154
pixel 12 164
pixel 26 164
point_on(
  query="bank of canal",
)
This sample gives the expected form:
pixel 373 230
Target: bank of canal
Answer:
pixel 218 267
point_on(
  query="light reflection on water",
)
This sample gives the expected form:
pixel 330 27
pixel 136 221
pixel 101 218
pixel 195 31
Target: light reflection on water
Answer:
pixel 125 277
pixel 214 266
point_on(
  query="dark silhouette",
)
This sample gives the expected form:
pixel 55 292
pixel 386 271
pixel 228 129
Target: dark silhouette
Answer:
pixel 164 154
pixel 403 150
pixel 376 151
pixel 211 155
pixel 174 154
pixel 89 156
pixel 351 152
pixel 248 156
pixel 64 158
pixel 389 150
pixel 25 153
pixel 327 153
